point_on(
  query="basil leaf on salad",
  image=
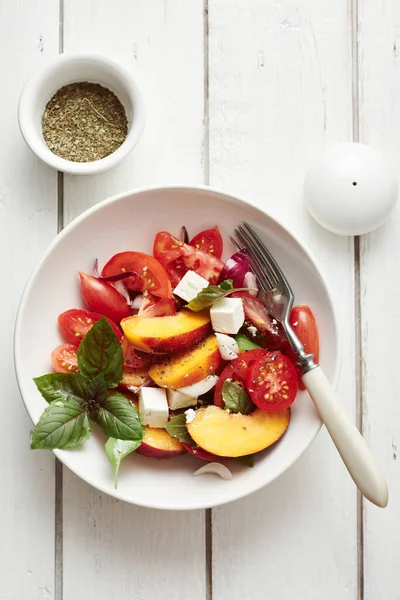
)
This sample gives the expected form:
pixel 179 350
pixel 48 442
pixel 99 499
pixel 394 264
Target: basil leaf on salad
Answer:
pixel 118 418
pixel 117 450
pixel 96 391
pixel 176 427
pixel 244 343
pixel 63 424
pixel 247 461
pixel 236 398
pixel 62 386
pixel 100 352
pixel 211 294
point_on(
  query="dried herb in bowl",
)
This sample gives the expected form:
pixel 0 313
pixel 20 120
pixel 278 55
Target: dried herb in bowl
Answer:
pixel 84 122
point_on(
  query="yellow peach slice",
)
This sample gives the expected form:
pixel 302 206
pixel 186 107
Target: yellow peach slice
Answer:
pixel 230 434
pixel 167 334
pixel 188 367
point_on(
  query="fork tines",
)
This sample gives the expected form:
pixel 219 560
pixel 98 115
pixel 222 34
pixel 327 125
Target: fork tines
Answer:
pixel 264 265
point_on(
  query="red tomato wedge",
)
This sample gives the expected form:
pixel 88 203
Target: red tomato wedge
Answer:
pixel 177 258
pixel 272 382
pixel 209 241
pixel 270 333
pixel 236 371
pixel 75 323
pixel 135 359
pixel 152 276
pixel 64 359
pixel 304 325
pixel 200 453
pixel 152 306
pixel 103 298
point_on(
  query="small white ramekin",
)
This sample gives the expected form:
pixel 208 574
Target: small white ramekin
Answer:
pixel 71 68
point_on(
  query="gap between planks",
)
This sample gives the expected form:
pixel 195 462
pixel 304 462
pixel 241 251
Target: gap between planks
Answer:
pixel 357 300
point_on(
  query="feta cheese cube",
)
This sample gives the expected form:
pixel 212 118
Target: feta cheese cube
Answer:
pixel 190 415
pixel 177 399
pixel 227 346
pixel 153 407
pixel 190 285
pixel 227 315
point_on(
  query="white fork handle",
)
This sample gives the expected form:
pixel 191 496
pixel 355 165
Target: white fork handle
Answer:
pixel 347 439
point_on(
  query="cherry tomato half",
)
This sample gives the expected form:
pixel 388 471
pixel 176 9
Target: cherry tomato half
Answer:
pixel 270 333
pixel 64 359
pixel 304 325
pixel 103 298
pixel 236 371
pixel 152 306
pixel 177 258
pixel 152 276
pixel 209 241
pixel 272 382
pixel 200 453
pixel 75 323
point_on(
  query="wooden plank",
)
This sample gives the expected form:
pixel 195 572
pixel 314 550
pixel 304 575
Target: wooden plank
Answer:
pixel 126 551
pixel 280 89
pixel 28 221
pixel 379 90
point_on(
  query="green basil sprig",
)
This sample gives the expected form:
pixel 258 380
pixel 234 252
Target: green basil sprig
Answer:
pixel 76 399
pixel 244 343
pixel 211 294
pixel 176 427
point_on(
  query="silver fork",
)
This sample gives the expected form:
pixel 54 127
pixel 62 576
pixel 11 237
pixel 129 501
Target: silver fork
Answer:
pixel 278 298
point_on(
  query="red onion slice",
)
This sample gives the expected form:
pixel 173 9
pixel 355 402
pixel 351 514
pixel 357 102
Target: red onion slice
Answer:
pixel 235 268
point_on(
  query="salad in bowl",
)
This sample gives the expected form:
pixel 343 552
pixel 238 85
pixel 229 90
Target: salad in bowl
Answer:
pixel 159 358
pixel 173 353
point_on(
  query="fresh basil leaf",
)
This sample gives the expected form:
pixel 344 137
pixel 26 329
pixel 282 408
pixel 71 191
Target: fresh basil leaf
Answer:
pixel 236 398
pixel 100 352
pixel 118 418
pixel 63 424
pixel 177 428
pixel 117 450
pixel 226 285
pixel 62 386
pixel 209 295
pixel 247 461
pixel 96 391
pixel 244 343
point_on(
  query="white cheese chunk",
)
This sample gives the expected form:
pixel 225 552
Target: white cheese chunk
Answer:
pixel 201 387
pixel 190 415
pixel 176 399
pixel 153 406
pixel 190 285
pixel 227 315
pixel 227 346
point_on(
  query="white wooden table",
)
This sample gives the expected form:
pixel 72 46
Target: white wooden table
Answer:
pixel 242 94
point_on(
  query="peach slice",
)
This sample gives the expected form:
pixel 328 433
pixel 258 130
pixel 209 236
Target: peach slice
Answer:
pixel 133 378
pixel 167 334
pixel 158 443
pixel 233 434
pixel 188 367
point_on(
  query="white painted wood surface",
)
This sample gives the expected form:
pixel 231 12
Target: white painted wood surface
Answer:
pixel 242 94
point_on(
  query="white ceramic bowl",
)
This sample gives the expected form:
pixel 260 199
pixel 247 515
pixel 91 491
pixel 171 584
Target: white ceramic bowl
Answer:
pixel 71 68
pixel 130 221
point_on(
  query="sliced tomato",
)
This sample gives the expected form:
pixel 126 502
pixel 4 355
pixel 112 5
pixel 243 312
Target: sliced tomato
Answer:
pixel 64 359
pixel 200 453
pixel 135 359
pixel 236 371
pixel 209 241
pixel 152 306
pixel 75 323
pixel 152 276
pixel 270 334
pixel 103 298
pixel 177 258
pixel 272 382
pixel 304 324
